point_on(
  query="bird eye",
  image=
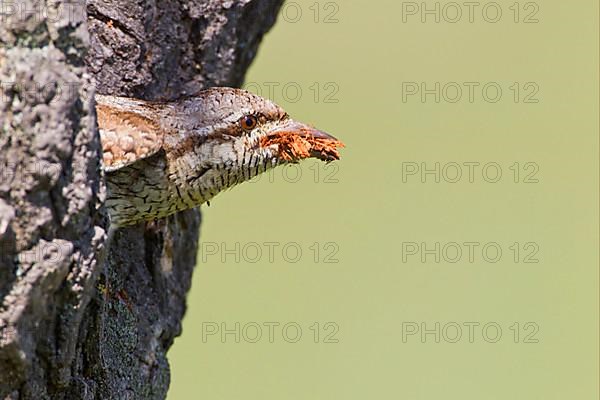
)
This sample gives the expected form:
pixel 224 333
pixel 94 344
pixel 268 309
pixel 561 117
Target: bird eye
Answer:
pixel 248 122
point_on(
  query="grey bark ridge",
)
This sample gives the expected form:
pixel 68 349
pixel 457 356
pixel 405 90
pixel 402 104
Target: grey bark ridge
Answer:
pixel 77 320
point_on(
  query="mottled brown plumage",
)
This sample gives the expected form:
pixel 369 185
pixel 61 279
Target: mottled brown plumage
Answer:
pixel 127 136
pixel 165 157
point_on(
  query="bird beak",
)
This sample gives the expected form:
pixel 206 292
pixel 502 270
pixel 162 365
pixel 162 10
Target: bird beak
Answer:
pixel 298 128
pixel 297 141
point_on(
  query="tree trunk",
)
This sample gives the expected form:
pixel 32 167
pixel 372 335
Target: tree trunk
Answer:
pixel 78 320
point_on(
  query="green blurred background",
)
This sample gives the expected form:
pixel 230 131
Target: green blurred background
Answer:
pixel 360 291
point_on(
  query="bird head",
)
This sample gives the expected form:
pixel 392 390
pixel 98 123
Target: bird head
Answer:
pixel 238 135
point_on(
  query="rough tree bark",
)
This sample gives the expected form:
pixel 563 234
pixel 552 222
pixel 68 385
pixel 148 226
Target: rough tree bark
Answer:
pixel 78 321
